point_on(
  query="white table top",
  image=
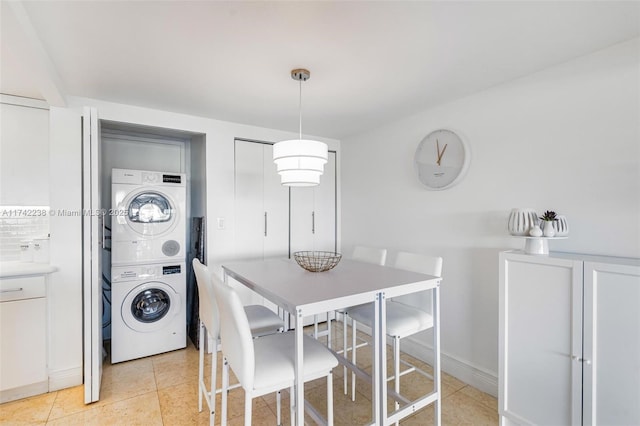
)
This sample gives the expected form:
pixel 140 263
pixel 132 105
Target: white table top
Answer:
pixel 285 283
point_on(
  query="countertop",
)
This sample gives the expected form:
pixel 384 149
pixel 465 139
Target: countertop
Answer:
pixel 17 269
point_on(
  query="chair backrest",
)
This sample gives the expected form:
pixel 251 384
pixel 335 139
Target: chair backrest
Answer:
pixel 430 265
pixel 421 263
pixel 235 333
pixel 208 310
pixel 370 255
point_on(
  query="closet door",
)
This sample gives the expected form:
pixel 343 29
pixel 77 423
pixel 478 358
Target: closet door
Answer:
pixel 276 209
pixel 325 208
pixel 302 219
pixel 249 202
pixel 262 210
pixel 313 213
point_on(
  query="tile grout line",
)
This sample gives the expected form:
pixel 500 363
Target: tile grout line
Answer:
pixel 53 403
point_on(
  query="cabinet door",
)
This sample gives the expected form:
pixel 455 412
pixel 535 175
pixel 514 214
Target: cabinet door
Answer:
pixel 540 332
pixel 24 156
pixel 23 343
pixel 313 213
pixel 611 344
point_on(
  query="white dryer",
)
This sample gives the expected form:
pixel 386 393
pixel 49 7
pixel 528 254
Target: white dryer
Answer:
pixel 148 310
pixel 147 217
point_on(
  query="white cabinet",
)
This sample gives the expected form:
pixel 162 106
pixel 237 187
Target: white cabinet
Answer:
pixel 569 339
pixel 313 213
pixel 23 337
pixel 24 153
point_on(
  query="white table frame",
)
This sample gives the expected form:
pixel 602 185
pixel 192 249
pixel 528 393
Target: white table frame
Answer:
pixel 303 293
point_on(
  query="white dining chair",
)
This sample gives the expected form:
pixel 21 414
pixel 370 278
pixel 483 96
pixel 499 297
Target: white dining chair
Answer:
pixel 267 364
pixel 262 321
pixel 377 256
pixel 402 319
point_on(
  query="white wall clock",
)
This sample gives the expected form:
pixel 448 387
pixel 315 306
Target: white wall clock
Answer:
pixel 442 159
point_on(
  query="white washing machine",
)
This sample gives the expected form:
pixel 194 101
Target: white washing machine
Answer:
pixel 147 217
pixel 148 310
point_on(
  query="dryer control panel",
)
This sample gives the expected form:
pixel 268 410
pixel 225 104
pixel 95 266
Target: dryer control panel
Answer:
pixel 145 272
pixel 147 177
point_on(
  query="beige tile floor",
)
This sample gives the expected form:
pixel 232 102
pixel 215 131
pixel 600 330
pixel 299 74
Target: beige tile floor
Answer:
pixel 162 390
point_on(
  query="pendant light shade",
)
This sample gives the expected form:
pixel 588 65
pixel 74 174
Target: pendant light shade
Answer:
pixel 299 154
pixel 300 178
pixel 300 162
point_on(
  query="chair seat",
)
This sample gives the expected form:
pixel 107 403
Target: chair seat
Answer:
pixel 402 320
pixel 262 320
pixel 275 360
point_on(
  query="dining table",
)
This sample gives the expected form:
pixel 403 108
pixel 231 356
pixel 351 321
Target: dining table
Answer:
pixel 302 293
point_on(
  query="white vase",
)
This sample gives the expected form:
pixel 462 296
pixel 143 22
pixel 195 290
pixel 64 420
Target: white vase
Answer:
pixel 521 221
pixel 560 226
pixel 535 231
pixel 547 228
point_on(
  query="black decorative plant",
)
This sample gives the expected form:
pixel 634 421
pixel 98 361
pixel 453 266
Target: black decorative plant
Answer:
pixel 548 216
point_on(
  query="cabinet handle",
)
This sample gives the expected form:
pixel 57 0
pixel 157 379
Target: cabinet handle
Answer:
pixel 265 224
pixel 584 360
pixel 101 219
pixel 313 222
pixel 11 290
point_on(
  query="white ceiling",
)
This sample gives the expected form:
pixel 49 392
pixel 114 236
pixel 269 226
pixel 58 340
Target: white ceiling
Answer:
pixel 370 62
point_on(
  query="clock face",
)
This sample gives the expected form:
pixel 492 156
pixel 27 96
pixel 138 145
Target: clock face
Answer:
pixel 441 159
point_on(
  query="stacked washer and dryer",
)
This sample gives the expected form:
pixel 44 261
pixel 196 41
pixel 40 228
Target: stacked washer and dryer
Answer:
pixel 148 274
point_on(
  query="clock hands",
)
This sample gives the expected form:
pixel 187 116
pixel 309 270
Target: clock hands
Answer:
pixel 440 153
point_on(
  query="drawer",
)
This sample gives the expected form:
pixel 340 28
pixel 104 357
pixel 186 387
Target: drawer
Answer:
pixel 22 288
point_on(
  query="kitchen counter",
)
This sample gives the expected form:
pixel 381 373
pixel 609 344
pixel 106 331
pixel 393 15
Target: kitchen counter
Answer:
pixel 19 269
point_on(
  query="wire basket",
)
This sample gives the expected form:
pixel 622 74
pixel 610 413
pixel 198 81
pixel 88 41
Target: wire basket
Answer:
pixel 317 261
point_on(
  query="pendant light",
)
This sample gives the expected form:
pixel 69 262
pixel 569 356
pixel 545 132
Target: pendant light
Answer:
pixel 300 162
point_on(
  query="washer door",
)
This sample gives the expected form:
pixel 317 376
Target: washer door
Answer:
pixel 150 213
pixel 150 306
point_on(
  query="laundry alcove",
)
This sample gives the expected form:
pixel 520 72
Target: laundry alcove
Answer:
pixel 137 147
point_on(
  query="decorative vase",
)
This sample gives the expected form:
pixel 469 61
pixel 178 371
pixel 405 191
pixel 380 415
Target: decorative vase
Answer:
pixel 521 221
pixel 560 226
pixel 535 231
pixel 547 228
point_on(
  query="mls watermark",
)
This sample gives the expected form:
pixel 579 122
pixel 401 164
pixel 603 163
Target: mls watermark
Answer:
pixel 41 212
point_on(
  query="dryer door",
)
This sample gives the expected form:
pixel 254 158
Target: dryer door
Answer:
pixel 150 306
pixel 150 213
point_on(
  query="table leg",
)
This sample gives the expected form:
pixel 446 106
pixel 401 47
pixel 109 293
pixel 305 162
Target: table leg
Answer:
pixel 379 360
pixel 299 375
pixel 436 355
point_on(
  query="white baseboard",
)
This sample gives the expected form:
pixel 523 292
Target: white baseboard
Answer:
pixel 62 379
pixel 23 392
pixel 462 370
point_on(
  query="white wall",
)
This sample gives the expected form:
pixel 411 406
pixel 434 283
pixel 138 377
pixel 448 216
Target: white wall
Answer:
pixel 65 152
pixel 564 139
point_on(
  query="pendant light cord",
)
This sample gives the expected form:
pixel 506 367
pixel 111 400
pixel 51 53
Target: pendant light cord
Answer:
pixel 300 109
